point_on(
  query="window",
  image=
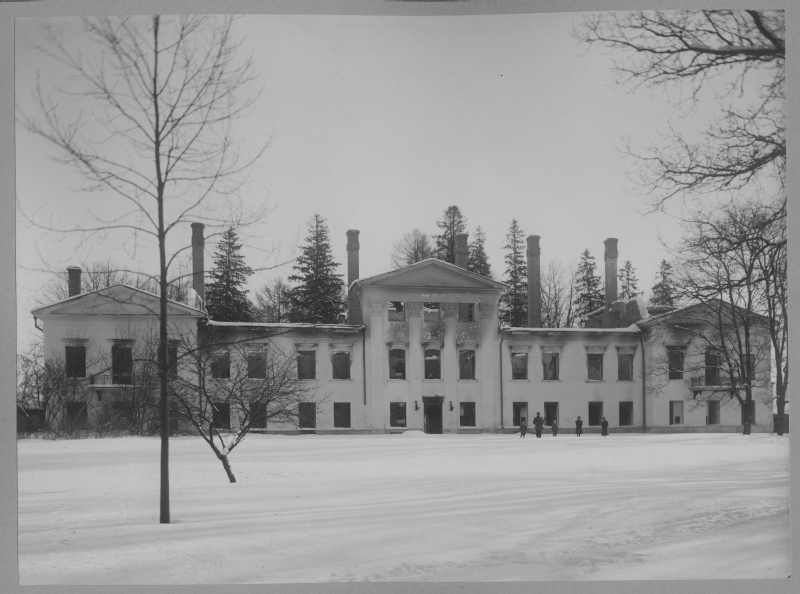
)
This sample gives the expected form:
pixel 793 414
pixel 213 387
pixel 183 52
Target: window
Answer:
pixel 341 414
pixel 221 365
pixel 595 363
pixel 713 412
pixel 397 364
pixel 307 415
pixel 550 413
pixel 221 415
pixel 675 357
pixel 397 311
pixel 77 415
pixel 122 415
pixel 520 413
pixel 625 413
pixel 519 366
pixel 749 368
pixel 595 413
pixel 306 365
pixel 397 414
pixel 121 364
pixel 258 415
pixel 257 365
pixel 675 412
pixel 430 312
pixel 712 368
pixel 75 359
pixel 466 312
pixel 433 364
pixel 172 359
pixel 340 363
pixel 467 414
pixel 550 366
pixel 749 413
pixel 466 365
pixel 624 367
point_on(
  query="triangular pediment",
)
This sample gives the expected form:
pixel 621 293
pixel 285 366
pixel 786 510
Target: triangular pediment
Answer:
pixel 433 274
pixel 115 301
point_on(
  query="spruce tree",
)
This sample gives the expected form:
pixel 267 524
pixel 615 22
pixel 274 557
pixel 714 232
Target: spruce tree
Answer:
pixel 478 260
pixel 514 302
pixel 226 298
pixel 317 298
pixel 628 280
pixel 664 292
pixel 587 288
pixel 451 225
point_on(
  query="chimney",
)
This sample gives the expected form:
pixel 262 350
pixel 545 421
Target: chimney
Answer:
pixel 198 262
pixel 462 251
pixel 534 283
pixel 352 256
pixel 611 273
pixel 74 273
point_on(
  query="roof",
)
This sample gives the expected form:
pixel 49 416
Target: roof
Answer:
pixel 421 274
pixel 632 329
pixel 345 328
pixel 711 305
pixel 112 300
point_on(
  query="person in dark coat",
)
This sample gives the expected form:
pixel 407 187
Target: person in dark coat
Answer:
pixel 604 426
pixel 554 427
pixel 523 427
pixel 538 423
pixel 578 427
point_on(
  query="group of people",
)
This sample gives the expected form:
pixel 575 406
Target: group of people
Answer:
pixel 538 425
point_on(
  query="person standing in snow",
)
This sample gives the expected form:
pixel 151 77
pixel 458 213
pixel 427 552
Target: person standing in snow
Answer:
pixel 523 426
pixel 538 423
pixel 604 426
pixel 578 427
pixel 554 426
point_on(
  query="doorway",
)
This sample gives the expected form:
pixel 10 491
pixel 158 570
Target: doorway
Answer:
pixel 550 413
pixel 433 417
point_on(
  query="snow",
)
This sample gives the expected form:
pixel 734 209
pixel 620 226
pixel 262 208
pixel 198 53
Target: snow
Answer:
pixel 410 507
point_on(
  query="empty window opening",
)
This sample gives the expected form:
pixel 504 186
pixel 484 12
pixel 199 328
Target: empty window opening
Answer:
pixel 341 414
pixel 675 359
pixel 519 366
pixel 550 366
pixel 431 312
pixel 520 413
pixel 122 364
pixel 550 413
pixel 625 367
pixel 306 365
pixel 712 369
pixel 466 365
pixel 122 415
pixel 340 363
pixel 466 312
pixel 397 414
pixel 172 359
pixel 77 415
pixel 257 365
pixel 595 364
pixel 625 414
pixel 221 415
pixel 221 365
pixel 595 413
pixel 397 311
pixel 75 359
pixel 258 415
pixel 749 412
pixel 676 412
pixel 397 364
pixel 713 412
pixel 433 364
pixel 307 413
pixel 467 414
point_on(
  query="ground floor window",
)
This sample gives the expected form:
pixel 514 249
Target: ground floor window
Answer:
pixel 625 414
pixel 258 415
pixel 77 415
pixel 221 415
pixel 341 414
pixel 520 413
pixel 676 412
pixel 595 413
pixel 397 414
pixel 713 412
pixel 467 414
pixel 122 414
pixel 749 413
pixel 550 413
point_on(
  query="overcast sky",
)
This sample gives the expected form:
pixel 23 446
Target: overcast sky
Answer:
pixel 381 123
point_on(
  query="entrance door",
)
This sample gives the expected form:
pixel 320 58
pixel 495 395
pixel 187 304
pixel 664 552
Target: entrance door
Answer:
pixel 433 417
pixel 550 413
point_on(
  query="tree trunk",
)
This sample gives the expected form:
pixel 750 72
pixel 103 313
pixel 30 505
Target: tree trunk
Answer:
pixel 226 465
pixel 781 402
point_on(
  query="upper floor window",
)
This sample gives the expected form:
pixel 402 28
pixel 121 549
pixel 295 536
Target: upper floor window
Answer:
pixel 550 364
pixel 466 312
pixel 172 358
pixel 519 366
pixel 257 365
pixel 712 368
pixel 675 361
pixel 431 312
pixel 340 365
pixel 397 311
pixel 397 364
pixel 624 365
pixel 433 364
pixel 306 365
pixel 466 365
pixel 122 363
pixel 594 362
pixel 221 364
pixel 75 361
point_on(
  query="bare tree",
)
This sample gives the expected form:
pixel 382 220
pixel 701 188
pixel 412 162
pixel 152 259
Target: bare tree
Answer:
pixel 272 302
pixel 744 51
pixel 161 96
pixel 557 297
pixel 225 388
pixel 415 246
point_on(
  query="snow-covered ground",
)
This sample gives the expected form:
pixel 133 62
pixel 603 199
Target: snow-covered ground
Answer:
pixel 410 507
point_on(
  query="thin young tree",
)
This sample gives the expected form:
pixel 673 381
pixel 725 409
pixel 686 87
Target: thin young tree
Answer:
pixel 587 289
pixel 272 302
pixel 514 302
pixel 317 296
pixel 452 223
pixel 414 246
pixel 478 260
pixel 226 297
pixel 160 97
pixel 664 291
pixel 557 296
pixel 628 281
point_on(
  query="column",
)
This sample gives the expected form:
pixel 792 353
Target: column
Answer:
pixel 415 359
pixel 489 418
pixel 377 364
pixel 449 361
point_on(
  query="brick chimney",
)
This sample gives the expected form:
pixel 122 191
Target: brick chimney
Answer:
pixel 534 283
pixel 462 250
pixel 74 274
pixel 610 277
pixel 353 303
pixel 198 262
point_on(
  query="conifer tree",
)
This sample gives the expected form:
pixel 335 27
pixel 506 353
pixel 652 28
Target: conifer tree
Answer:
pixel 628 280
pixel 226 299
pixel 664 292
pixel 451 225
pixel 317 299
pixel 587 288
pixel 514 302
pixel 478 260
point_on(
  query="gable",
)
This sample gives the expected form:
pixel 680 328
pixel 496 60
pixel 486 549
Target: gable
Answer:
pixel 702 313
pixel 432 274
pixel 115 301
